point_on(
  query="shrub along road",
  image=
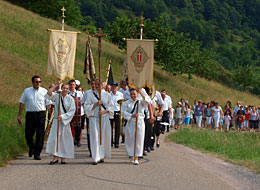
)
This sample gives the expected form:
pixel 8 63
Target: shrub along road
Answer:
pixel 169 167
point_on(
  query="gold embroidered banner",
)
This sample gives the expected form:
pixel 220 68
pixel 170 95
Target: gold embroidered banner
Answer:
pixel 140 55
pixel 62 50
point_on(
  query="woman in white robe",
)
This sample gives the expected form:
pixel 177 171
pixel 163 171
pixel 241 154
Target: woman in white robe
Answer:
pixel 91 108
pixel 127 108
pixel 66 146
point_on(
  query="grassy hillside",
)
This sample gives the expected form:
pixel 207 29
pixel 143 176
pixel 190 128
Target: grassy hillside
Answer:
pixel 23 53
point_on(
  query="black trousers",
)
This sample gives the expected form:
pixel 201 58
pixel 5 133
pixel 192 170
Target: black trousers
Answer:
pixel 156 131
pixel 35 122
pixel 165 118
pixel 116 120
pixel 88 139
pixel 148 134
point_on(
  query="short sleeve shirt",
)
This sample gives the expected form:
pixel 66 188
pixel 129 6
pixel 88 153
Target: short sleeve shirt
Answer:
pixel 34 99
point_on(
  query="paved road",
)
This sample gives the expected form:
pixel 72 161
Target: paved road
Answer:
pixel 168 167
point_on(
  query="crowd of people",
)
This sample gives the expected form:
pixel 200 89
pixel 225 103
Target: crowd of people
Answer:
pixel 134 115
pixel 211 115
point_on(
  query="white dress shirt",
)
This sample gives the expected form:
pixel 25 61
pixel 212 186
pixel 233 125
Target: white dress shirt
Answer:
pixel 34 99
pixel 115 98
pixel 126 92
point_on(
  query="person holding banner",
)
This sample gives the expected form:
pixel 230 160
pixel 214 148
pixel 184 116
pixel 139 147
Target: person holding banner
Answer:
pixel 67 110
pixel 129 109
pixel 99 151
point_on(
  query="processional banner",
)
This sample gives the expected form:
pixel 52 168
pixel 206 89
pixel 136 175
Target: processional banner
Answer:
pixel 140 56
pixel 62 50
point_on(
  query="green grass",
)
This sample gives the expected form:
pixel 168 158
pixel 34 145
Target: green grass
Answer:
pixel 238 148
pixel 12 141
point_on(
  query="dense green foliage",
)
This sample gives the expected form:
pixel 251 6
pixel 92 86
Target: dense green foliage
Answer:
pixel 215 39
pixel 240 148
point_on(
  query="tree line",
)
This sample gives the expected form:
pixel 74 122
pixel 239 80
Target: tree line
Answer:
pixel 214 39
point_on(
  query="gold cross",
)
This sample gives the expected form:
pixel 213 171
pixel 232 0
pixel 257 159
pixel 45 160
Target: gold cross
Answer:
pixel 63 10
pixel 142 19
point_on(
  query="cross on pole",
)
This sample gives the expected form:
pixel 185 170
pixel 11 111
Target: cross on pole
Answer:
pixel 62 18
pixel 99 36
pixel 141 26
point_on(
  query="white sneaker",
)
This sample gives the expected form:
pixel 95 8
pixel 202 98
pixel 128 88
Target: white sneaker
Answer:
pixel 136 162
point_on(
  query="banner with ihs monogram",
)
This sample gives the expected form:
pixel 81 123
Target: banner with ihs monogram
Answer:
pixel 140 56
pixel 62 50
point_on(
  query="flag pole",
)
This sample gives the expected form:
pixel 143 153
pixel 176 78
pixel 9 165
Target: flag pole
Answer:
pixel 99 36
pixel 136 123
pixel 59 91
pixel 108 70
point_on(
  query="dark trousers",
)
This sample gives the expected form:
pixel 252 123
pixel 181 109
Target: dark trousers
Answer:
pixel 148 134
pixel 156 131
pixel 116 120
pixel 35 122
pixel 165 118
pixel 88 139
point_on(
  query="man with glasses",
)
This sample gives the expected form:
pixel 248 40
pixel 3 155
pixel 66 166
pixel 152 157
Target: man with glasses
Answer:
pixel 35 105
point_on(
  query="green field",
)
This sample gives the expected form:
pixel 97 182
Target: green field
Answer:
pixel 24 51
pixel 238 148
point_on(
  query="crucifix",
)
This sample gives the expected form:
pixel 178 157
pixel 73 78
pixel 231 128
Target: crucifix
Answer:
pixel 62 18
pixel 99 36
pixel 142 27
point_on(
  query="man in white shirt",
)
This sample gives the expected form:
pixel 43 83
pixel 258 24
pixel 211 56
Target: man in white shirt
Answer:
pixel 124 90
pixel 166 110
pixel 115 121
pixel 76 121
pixel 35 105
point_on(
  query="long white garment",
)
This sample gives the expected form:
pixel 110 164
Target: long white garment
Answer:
pixel 99 151
pixel 131 125
pixel 66 146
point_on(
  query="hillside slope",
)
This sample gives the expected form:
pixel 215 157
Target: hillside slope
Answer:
pixel 24 51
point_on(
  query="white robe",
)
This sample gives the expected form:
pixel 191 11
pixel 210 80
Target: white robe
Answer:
pixel 99 151
pixel 66 145
pixel 131 124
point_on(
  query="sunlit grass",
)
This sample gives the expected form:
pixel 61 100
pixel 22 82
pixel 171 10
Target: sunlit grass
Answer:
pixel 239 148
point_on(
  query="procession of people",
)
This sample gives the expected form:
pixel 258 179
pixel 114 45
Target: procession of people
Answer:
pixel 104 125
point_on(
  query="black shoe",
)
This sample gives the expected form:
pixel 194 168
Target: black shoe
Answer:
pixel 157 145
pixel 62 162
pixel 54 162
pixel 101 161
pixel 117 146
pixel 31 152
pixel 90 155
pixel 144 154
pixel 168 130
pixel 75 142
pixel 78 144
pixel 37 157
pixel 94 163
pixel 122 142
pixel 140 157
pixel 162 132
pixel 152 149
pixel 148 149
